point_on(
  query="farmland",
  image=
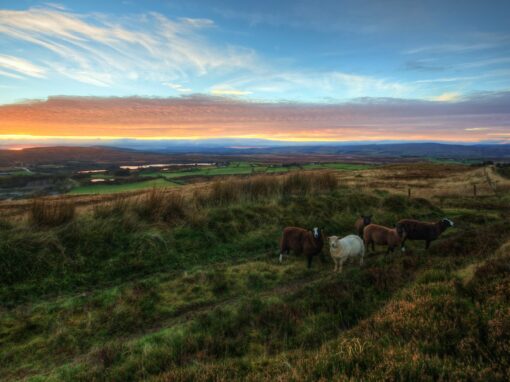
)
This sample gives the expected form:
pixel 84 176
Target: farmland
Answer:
pixel 114 188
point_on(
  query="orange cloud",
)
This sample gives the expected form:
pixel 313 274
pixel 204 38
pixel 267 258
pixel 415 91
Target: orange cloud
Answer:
pixel 211 117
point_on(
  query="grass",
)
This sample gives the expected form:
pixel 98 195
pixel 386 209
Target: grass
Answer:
pixel 169 288
pixel 125 187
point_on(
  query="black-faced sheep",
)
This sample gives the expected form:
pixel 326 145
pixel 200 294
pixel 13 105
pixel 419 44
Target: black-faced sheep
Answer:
pixel 301 241
pixel 380 235
pixel 417 230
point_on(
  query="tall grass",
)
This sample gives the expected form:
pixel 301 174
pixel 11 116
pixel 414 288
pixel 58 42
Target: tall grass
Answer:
pixel 158 205
pixel 48 213
pixel 259 187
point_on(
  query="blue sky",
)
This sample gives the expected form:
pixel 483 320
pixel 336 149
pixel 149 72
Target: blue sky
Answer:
pixel 288 50
pixel 309 53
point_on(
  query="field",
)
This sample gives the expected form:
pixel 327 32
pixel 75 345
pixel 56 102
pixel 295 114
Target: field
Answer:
pixel 184 283
pixel 114 188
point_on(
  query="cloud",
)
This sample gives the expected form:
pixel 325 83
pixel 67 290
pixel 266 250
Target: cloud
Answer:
pixel 230 92
pixel 447 97
pixel 99 49
pixel 466 119
pixel 447 79
pixel 20 66
pixel 177 87
pixel 315 85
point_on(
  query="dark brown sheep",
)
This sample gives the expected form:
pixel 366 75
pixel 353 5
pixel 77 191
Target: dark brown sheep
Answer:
pixel 416 230
pixel 380 235
pixel 301 241
pixel 361 223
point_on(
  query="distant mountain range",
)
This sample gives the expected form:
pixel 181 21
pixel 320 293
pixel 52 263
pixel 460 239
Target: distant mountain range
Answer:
pixel 403 150
pixel 380 149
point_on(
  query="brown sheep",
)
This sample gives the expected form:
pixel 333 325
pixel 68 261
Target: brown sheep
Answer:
pixel 380 235
pixel 361 223
pixel 301 241
pixel 417 230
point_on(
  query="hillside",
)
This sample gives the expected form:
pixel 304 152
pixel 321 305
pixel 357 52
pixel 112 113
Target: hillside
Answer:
pixel 281 153
pixel 166 286
pixel 61 154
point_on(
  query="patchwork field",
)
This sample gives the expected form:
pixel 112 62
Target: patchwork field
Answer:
pixel 185 284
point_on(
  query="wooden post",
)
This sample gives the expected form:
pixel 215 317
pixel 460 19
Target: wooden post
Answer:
pixel 409 192
pixel 474 190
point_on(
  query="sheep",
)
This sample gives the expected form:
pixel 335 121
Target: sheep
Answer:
pixel 342 249
pixel 378 234
pixel 417 230
pixel 300 240
pixel 361 223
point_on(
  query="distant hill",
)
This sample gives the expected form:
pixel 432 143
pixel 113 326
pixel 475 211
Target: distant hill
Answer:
pixel 200 152
pixel 422 150
pixel 83 155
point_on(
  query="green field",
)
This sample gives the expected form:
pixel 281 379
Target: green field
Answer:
pixel 114 188
pixel 244 168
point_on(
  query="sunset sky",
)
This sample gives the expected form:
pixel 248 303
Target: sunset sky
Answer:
pixel 344 70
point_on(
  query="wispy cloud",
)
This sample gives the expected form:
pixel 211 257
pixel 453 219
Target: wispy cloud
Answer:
pixel 97 49
pixel 229 92
pixel 178 87
pixel 334 84
pixel 447 79
pixel 20 67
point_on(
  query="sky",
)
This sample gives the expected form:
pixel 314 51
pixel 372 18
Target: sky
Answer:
pixel 343 70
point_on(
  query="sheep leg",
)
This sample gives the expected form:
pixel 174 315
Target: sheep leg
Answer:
pixel 310 257
pixel 341 262
pixel 402 244
pixel 281 257
pixel 361 260
pixel 336 264
pixel 427 244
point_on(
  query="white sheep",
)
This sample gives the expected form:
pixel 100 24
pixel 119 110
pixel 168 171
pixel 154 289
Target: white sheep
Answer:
pixel 342 249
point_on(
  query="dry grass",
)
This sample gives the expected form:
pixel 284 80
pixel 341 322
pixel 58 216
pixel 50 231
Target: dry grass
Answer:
pixel 51 213
pixel 430 181
pixel 157 205
pixel 257 187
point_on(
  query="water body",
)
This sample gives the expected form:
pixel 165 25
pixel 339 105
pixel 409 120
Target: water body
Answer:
pixel 161 165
